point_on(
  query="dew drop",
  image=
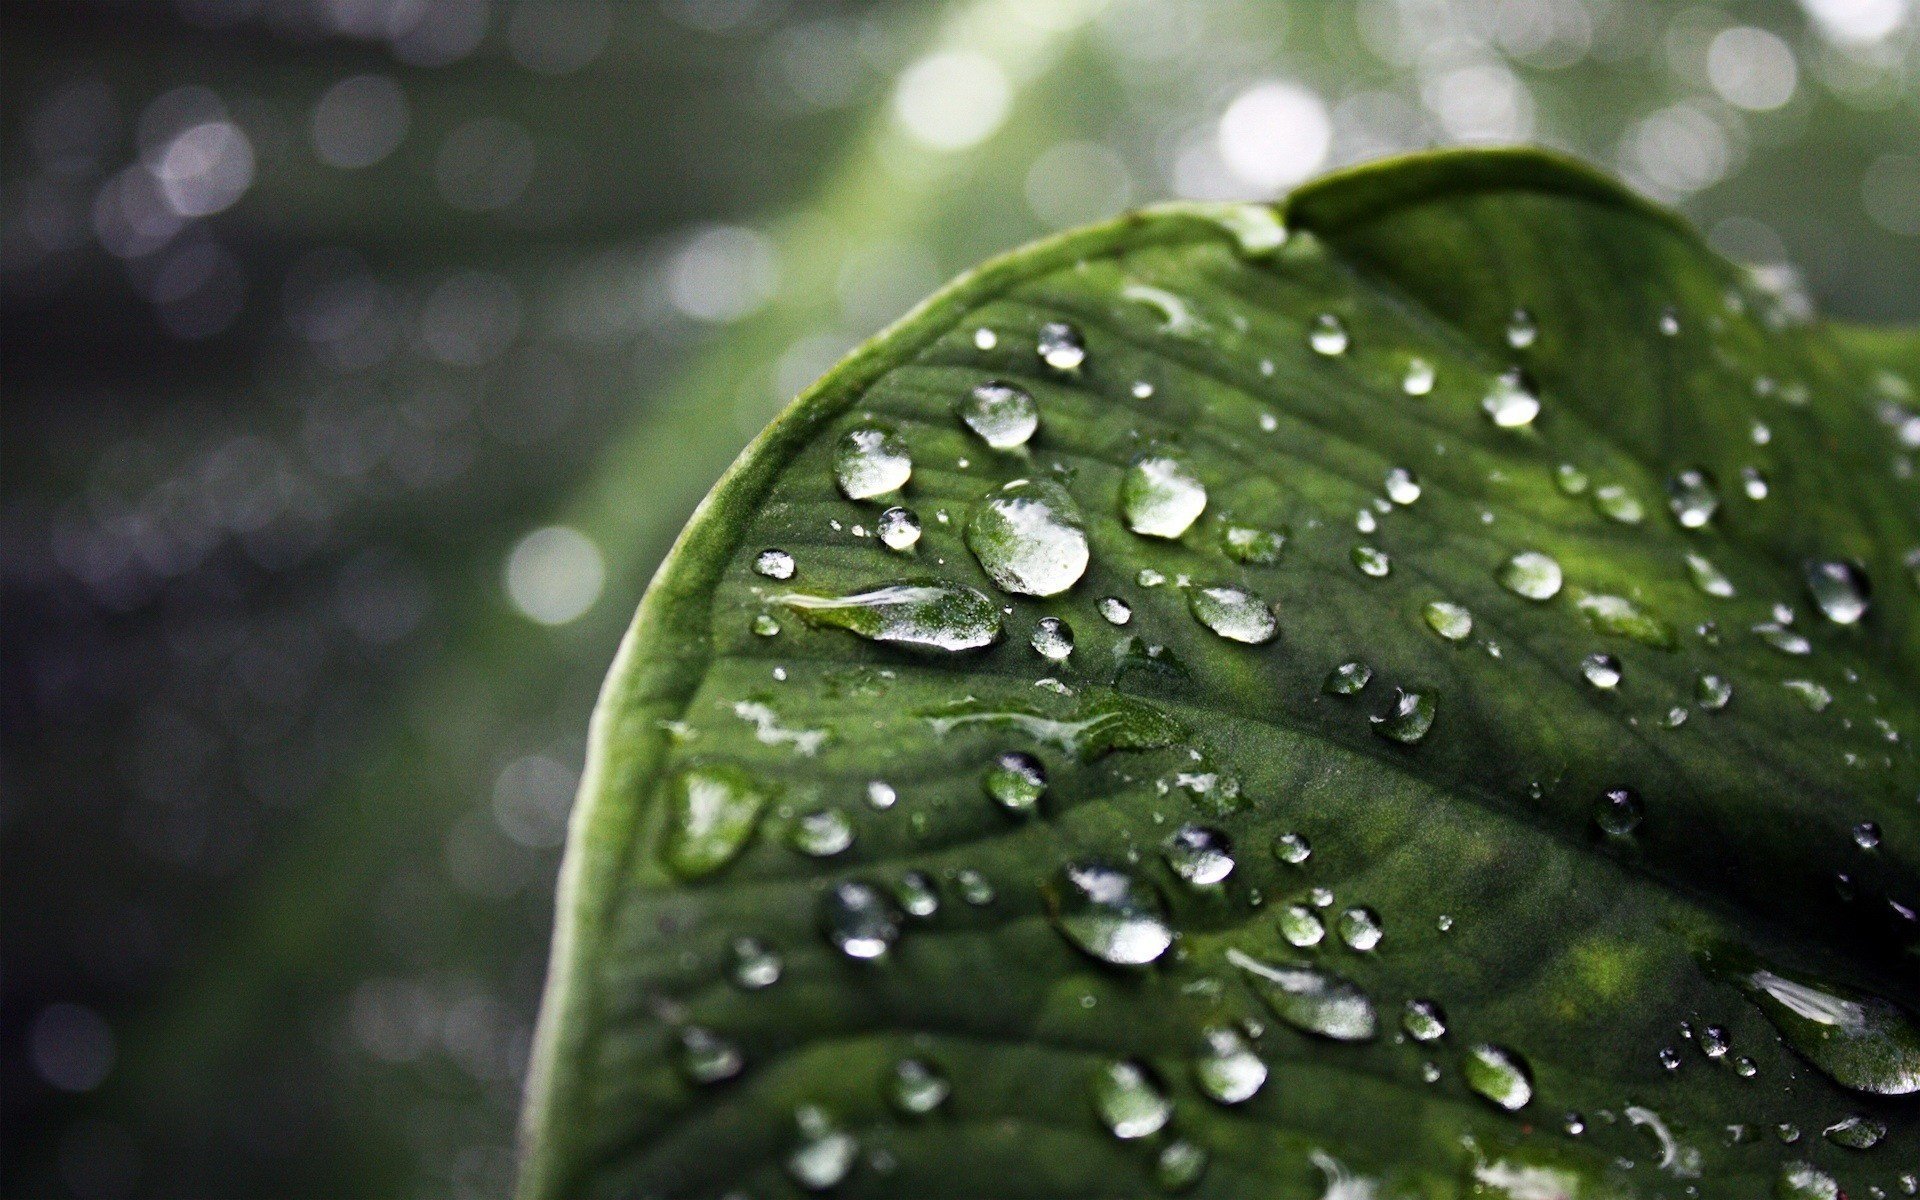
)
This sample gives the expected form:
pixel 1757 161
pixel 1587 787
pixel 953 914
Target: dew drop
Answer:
pixel 1571 480
pixel 1856 1132
pixel 1692 497
pixel 1360 928
pixel 1292 849
pixel 871 462
pixel 1128 1101
pixel 822 833
pixel 1347 679
pixel 1234 613
pixel 1402 487
pixel 916 1087
pixel 1710 579
pixel 1424 1021
pixel 938 616
pixel 1060 346
pixel 1861 1042
pixel 1179 1165
pixel 1531 574
pixel 1499 1075
pixel 774 564
pixel 1227 1070
pixel 1301 926
pixel 1115 610
pixel 916 895
pixel 766 625
pixel 1866 835
pixel 825 1153
pixel 712 811
pixel 1522 330
pixel 975 888
pixel 1753 481
pixel 1016 781
pixel 1804 1181
pixel 1327 335
pixel 1199 855
pixel 881 794
pixel 1712 692
pixel 1407 720
pixel 1160 497
pixel 1451 621
pixel 1669 322
pixel 859 919
pixel 899 529
pixel 1839 588
pixel 1616 503
pixel 1001 415
pixel 755 964
pixel 1371 561
pixel 1602 671
pixel 985 339
pixel 1253 546
pixel 1310 999
pixel 1418 381
pixel 1108 913
pixel 1029 537
pixel 1618 812
pixel 1621 617
pixel 1052 639
pixel 1511 404
pixel 706 1057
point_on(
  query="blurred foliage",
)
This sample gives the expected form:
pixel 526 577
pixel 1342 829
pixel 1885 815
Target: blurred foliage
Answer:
pixel 316 309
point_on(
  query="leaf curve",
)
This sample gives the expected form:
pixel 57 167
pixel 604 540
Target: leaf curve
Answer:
pixel 1431 742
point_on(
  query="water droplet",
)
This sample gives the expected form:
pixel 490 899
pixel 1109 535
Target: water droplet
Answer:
pixel 1522 331
pixel 1669 322
pixel 1602 671
pixel 1328 336
pixel 1498 1074
pixel 765 625
pixel 1409 718
pixel 706 1057
pixel 774 564
pixel 1753 481
pixel 985 339
pixel 871 462
pixel 1052 639
pixel 1571 480
pixel 1804 1181
pixel 1511 404
pixel 1115 610
pixel 1418 381
pixel 1784 639
pixel 1360 928
pixel 822 833
pixel 755 964
pixel 1860 1041
pixel 1255 547
pixel 1029 537
pixel 1199 855
pixel 1228 1071
pixel 1709 578
pixel 1621 617
pixel 1712 692
pixel 1814 695
pixel 881 794
pixel 1402 487
pixel 1301 926
pixel 939 616
pixel 1179 1166
pixel 975 888
pixel 1616 503
pixel 1866 835
pixel 1060 346
pixel 1347 679
pixel 1016 781
pixel 1449 620
pixel 1618 812
pixel 825 1154
pixel 1109 914
pixel 859 919
pixel 1371 561
pixel 1840 588
pixel 1234 613
pixel 1002 415
pixel 1128 1100
pixel 1292 849
pixel 1160 497
pixel 1856 1132
pixel 1424 1021
pixel 1531 574
pixel 712 811
pixel 916 1087
pixel 1692 496
pixel 899 529
pixel 916 895
pixel 1310 999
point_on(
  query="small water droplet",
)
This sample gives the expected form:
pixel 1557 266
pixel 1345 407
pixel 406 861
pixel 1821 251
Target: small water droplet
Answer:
pixel 917 1087
pixel 1451 621
pixel 871 462
pixel 1418 381
pixel 1003 416
pixel 1522 330
pixel 1292 849
pixel 822 833
pixel 712 811
pixel 706 1057
pixel 1669 322
pixel 1108 913
pixel 1199 855
pixel 1227 1070
pixel 1856 1132
pixel 1531 574
pixel 1753 481
pixel 1784 639
pixel 1161 497
pixel 1712 692
pixel 1692 496
pixel 1301 926
pixel 899 529
pixel 1115 610
pixel 1602 670
pixel 1310 999
pixel 1615 502
pixel 938 616
pixel 774 564
pixel 1500 1075
pixel 1571 480
pixel 1328 336
pixel 1360 928
pixel 1709 578
pixel 765 625
pixel 859 919
pixel 1621 617
pixel 1029 537
pixel 881 794
pixel 1866 835
pixel 1511 404
pixel 1839 588
pixel 1409 718
pixel 1060 346
pixel 1129 1101
pixel 825 1153
pixel 1234 613
pixel 1814 695
pixel 755 964
pixel 1253 546
pixel 1618 813
pixel 1179 1166
pixel 1347 679
pixel 1052 639
pixel 975 888
pixel 1424 1021
pixel 1402 487
pixel 985 339
pixel 1016 781
pixel 916 895
pixel 1371 561
pixel 1804 1181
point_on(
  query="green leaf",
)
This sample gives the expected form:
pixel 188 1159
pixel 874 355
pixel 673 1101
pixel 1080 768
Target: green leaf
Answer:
pixel 1483 763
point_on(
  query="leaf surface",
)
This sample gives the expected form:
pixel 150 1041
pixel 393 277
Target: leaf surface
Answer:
pixel 1483 764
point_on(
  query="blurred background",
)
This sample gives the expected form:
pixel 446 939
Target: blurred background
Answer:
pixel 361 358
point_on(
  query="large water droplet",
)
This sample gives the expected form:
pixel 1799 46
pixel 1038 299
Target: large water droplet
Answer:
pixel 1408 720
pixel 1531 574
pixel 825 1153
pixel 1016 781
pixel 1060 346
pixel 871 462
pixel 859 919
pixel 916 1087
pixel 1002 415
pixel 1108 913
pixel 1498 1074
pixel 1228 1071
pixel 1856 1132
pixel 1310 999
pixel 1161 497
pixel 1129 1101
pixel 1692 496
pixel 1511 404
pixel 1860 1041
pixel 1328 336
pixel 1451 621
pixel 706 1057
pixel 1029 537
pixel 1234 613
pixel 1839 588
pixel 899 529
pixel 711 814
pixel 938 615
pixel 1199 855
pixel 1052 639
